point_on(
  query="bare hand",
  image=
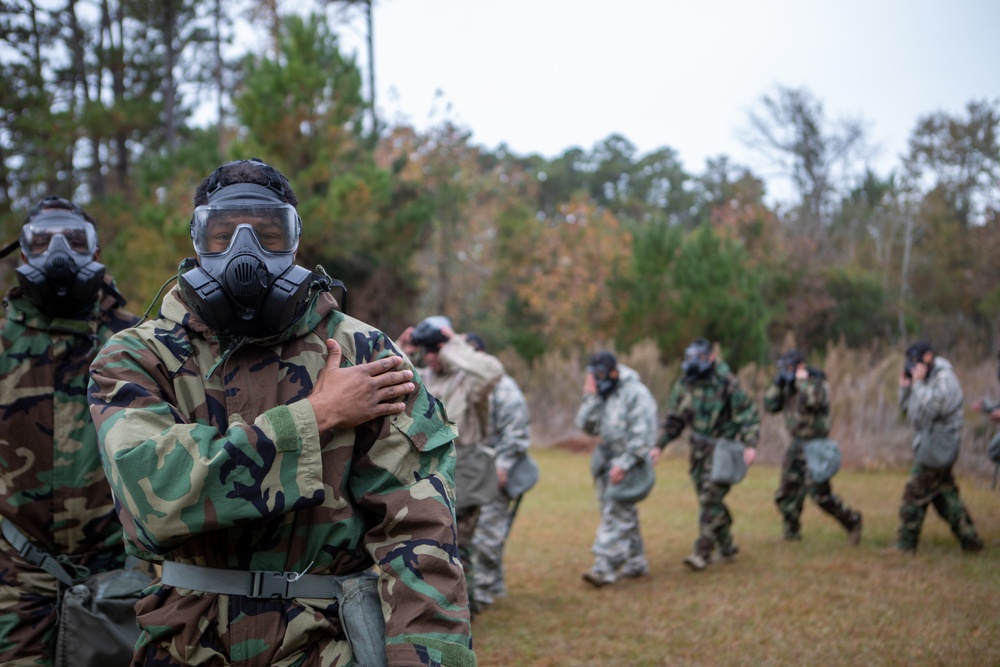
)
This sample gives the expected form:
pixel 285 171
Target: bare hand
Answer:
pixel 654 455
pixel 749 454
pixel 616 475
pixel 995 415
pixel 346 397
pixel 501 477
pixel 405 342
pixel 978 405
pixel 903 380
pixel 589 385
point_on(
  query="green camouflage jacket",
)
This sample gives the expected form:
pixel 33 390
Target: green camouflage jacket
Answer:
pixel 216 459
pixel 806 404
pixel 715 406
pixel 52 486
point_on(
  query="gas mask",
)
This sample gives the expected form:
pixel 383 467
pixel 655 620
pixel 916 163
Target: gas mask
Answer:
pixel 601 366
pixel 698 362
pixel 247 283
pixel 60 276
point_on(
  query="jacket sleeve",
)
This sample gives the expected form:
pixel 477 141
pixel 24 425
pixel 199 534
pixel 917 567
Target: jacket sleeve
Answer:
pixel 171 478
pixel 588 417
pixel 510 420
pixel 405 484
pixel 641 434
pixel 774 398
pixel 745 416
pixel 677 416
pixel 482 370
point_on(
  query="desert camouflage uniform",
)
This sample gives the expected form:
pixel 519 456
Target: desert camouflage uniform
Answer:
pixel 715 406
pixel 508 436
pixel 626 422
pixel 806 404
pixel 52 486
pixel 216 460
pixel 464 386
pixel 934 403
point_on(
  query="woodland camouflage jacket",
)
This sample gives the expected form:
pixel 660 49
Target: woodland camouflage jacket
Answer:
pixel 715 406
pixel 216 459
pixel 806 404
pixel 52 486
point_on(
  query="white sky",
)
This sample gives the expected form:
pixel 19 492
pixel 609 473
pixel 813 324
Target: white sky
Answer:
pixel 546 75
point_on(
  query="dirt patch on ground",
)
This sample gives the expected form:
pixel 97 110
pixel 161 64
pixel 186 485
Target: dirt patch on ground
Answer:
pixel 577 444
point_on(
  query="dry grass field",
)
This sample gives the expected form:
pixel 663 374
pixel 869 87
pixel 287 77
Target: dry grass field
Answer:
pixel 814 602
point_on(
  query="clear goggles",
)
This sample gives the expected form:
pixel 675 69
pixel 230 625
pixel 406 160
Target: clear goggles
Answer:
pixel 276 226
pixel 80 235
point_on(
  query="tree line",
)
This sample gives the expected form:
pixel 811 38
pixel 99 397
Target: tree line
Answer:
pixel 604 245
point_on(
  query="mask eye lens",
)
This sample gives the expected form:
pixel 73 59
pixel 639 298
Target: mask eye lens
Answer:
pixel 276 227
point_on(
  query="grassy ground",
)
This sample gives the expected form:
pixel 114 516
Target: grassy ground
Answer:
pixel 814 602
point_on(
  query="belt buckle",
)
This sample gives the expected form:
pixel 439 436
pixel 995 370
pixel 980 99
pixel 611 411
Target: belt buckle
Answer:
pixel 266 584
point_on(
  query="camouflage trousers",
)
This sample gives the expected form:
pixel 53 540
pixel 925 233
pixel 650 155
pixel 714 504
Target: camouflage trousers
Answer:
pixel 28 606
pixel 795 484
pixel 466 520
pixel 194 628
pixel 937 487
pixel 618 546
pixel 714 519
pixel 489 540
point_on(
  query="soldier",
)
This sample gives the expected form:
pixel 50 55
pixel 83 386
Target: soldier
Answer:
pixel 708 398
pixel 59 518
pixel 931 398
pixel 272 449
pixel 507 434
pixel 619 408
pixel 462 379
pixel 803 393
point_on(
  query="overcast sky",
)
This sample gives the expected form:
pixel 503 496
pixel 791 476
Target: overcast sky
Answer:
pixel 546 75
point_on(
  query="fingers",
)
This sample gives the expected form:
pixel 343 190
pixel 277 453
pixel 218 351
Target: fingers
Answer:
pixel 333 359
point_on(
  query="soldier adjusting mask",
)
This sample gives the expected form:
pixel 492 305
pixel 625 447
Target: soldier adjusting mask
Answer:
pixel 60 276
pixel 602 366
pixel 247 282
pixel 698 362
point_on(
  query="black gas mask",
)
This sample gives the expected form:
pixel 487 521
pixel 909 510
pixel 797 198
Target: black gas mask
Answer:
pixel 247 282
pixel 603 366
pixel 698 362
pixel 60 276
pixel 788 364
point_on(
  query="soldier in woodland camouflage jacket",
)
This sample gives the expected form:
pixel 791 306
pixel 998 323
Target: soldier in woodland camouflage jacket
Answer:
pixel 803 394
pixel 619 408
pixel 709 399
pixel 296 446
pixel 931 398
pixel 52 486
pixel 507 434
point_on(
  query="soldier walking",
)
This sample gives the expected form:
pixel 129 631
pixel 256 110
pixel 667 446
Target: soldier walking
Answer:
pixel 619 408
pixel 803 394
pixel 708 398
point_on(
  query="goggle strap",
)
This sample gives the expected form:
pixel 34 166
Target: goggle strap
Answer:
pixel 9 248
